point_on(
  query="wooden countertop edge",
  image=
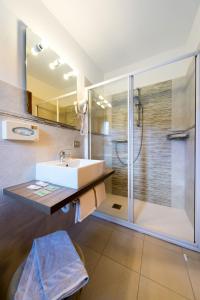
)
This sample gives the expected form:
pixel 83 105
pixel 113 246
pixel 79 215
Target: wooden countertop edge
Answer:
pixel 50 210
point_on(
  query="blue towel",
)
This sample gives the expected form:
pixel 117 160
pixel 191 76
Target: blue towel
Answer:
pixel 53 269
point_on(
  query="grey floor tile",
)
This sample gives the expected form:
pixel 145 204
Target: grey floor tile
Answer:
pixel 167 268
pixel 125 249
pixel 117 227
pixel 76 229
pixel 149 290
pixel 192 254
pixel 111 281
pixel 95 236
pixel 163 244
pixel 91 258
pixel 194 273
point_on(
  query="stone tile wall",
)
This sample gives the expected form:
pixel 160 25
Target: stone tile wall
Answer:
pixel 152 170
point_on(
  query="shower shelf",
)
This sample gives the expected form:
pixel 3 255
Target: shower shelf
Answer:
pixel 178 136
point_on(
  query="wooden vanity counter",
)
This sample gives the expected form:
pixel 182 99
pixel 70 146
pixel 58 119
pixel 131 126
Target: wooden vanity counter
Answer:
pixel 55 200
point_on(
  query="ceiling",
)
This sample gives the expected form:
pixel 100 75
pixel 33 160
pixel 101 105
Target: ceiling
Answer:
pixel 116 33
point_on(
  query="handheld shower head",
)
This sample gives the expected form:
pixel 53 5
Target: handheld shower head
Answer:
pixel 138 106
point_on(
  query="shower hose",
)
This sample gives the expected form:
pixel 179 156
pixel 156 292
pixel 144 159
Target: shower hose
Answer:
pixel 140 148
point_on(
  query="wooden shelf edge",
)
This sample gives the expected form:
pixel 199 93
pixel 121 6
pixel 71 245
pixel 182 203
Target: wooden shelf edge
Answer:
pixel 49 210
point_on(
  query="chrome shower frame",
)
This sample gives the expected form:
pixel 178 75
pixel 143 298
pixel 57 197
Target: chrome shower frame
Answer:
pixel 130 222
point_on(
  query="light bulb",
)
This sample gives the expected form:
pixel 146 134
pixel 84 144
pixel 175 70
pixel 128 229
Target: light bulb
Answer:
pixel 109 105
pixel 66 76
pixel 52 66
pixel 105 101
pixel 101 97
pixel 98 103
pixel 44 44
pixel 74 73
pixel 103 106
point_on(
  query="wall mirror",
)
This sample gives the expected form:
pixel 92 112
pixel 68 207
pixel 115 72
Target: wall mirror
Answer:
pixel 50 82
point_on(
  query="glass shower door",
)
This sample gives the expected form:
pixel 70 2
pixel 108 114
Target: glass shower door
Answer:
pixel 164 150
pixel 109 141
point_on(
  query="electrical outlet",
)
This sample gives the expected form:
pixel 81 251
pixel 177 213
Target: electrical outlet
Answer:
pixel 77 144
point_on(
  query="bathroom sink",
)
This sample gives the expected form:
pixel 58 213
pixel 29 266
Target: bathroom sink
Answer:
pixel 73 173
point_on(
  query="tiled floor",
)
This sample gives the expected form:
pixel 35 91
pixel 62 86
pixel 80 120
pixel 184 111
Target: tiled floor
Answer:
pixel 168 220
pixel 126 265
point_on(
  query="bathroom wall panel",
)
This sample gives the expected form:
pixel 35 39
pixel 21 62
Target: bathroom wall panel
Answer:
pixel 152 171
pixel 190 144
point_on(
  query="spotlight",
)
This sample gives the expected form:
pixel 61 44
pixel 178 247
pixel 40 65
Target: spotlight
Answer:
pixel 43 45
pixel 52 66
pixel 56 63
pixel 74 73
pixel 39 48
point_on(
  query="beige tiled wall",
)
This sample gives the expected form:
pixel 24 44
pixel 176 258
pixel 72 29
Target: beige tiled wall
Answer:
pixel 18 159
pixel 152 170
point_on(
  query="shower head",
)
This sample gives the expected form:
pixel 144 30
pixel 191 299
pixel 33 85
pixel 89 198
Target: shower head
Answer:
pixel 136 92
pixel 138 107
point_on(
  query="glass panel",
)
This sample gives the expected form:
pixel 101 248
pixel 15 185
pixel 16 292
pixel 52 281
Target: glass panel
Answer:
pixel 45 109
pixel 109 141
pixel 67 113
pixel 164 149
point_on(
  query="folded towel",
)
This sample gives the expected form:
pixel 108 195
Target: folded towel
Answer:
pixel 100 193
pixel 85 206
pixel 53 270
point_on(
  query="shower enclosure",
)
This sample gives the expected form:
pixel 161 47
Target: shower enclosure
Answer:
pixel 144 125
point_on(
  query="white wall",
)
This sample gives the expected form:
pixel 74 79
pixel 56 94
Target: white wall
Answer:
pixel 18 159
pixel 12 48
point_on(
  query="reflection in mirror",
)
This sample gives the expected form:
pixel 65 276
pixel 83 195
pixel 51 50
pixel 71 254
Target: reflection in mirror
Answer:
pixel 51 83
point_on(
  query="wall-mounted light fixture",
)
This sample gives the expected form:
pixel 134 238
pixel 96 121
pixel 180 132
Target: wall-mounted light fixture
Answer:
pixel 57 63
pixel 39 48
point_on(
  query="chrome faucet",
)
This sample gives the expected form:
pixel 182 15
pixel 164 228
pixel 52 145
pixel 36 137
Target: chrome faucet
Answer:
pixel 61 156
pixel 65 155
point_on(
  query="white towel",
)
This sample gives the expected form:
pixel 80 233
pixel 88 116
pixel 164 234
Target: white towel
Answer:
pixel 85 206
pixel 100 193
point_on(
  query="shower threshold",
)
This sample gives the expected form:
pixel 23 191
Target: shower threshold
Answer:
pixel 158 218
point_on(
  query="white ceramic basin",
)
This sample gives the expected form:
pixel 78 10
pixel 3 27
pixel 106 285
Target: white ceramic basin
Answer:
pixel 74 173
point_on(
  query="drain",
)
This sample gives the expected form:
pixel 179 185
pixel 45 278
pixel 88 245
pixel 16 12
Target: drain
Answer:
pixel 116 206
